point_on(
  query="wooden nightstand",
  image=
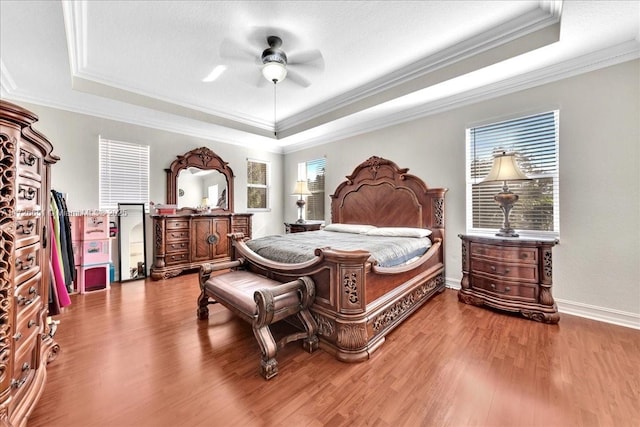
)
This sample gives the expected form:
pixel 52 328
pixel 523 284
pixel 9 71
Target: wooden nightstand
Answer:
pixel 513 274
pixel 297 227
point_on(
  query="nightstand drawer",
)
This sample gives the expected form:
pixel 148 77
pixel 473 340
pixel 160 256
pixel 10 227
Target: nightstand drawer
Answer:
pixel 504 288
pixel 501 270
pixel 505 253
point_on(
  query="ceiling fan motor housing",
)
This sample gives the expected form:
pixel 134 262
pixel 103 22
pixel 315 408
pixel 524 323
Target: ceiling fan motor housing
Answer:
pixel 273 53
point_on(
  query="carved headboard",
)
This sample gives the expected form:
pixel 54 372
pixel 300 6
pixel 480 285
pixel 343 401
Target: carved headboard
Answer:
pixel 378 192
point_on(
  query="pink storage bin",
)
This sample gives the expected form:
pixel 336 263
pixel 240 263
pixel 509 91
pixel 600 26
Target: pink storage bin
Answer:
pixel 90 227
pixel 92 252
pixel 92 278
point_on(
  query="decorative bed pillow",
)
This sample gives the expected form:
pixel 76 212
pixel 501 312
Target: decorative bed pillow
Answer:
pixel 399 232
pixel 349 228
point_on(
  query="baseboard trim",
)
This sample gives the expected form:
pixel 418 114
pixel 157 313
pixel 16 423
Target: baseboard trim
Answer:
pixel 600 314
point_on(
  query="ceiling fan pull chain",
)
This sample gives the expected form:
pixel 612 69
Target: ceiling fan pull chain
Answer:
pixel 274 109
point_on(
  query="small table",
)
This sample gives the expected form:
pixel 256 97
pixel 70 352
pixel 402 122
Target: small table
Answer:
pixel 299 227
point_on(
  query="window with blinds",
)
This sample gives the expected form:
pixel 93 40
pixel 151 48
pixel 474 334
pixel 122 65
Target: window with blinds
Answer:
pixel 535 141
pixel 257 184
pixel 313 172
pixel 124 173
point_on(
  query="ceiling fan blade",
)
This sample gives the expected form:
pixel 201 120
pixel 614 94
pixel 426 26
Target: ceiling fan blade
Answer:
pixel 297 78
pixel 310 59
pixel 234 51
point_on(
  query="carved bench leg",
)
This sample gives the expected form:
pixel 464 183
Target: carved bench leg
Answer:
pixel 310 343
pixel 203 306
pixel 268 347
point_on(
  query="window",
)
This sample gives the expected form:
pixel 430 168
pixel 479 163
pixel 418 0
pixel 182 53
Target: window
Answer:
pixel 313 172
pixel 124 173
pixel 535 140
pixel 258 184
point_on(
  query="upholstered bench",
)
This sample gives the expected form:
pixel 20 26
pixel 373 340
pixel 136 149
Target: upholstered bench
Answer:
pixel 261 302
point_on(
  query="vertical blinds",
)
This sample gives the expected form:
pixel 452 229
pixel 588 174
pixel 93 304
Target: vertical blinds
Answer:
pixel 535 140
pixel 315 180
pixel 124 173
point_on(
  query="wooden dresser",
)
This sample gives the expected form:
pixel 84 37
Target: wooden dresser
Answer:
pixel 184 242
pixel 26 340
pixel 513 274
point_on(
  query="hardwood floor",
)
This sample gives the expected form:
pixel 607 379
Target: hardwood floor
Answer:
pixel 137 356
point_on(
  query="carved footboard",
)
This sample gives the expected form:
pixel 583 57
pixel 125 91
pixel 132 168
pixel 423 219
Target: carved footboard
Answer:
pixel 356 305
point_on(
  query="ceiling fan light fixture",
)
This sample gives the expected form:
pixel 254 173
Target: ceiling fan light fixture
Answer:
pixel 274 71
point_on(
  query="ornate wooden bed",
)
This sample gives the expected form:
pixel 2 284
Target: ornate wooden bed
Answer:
pixel 357 302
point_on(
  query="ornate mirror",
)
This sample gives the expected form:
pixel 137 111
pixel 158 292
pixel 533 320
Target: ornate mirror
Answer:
pixel 200 178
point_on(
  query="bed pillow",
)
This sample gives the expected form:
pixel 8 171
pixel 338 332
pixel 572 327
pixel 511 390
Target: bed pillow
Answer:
pixel 349 228
pixel 399 232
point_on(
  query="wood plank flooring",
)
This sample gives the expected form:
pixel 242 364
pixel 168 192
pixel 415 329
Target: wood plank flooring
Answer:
pixel 137 356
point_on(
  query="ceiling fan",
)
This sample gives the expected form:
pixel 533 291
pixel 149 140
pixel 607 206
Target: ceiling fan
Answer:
pixel 276 65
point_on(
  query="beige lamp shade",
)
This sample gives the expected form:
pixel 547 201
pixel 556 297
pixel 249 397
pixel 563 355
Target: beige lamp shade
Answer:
pixel 301 189
pixel 505 168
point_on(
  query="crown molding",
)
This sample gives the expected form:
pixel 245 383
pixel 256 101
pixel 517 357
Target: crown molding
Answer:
pixel 533 29
pixel 620 53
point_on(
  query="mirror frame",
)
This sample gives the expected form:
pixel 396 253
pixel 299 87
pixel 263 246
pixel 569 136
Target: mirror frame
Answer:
pixel 136 208
pixel 202 158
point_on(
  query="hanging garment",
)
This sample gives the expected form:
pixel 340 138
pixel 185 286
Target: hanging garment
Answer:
pixel 63 294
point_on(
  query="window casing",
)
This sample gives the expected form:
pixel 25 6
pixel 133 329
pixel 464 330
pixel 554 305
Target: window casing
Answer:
pixel 535 140
pixel 123 173
pixel 258 185
pixel 313 172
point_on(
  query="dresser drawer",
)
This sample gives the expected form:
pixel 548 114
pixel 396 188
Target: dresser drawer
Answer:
pixel 505 253
pixel 177 235
pixel 27 262
pixel 27 326
pixel 29 161
pixel 176 258
pixel 28 292
pixel 502 270
pixel 503 288
pixel 173 247
pixel 27 230
pixel 28 194
pixel 24 364
pixel 176 224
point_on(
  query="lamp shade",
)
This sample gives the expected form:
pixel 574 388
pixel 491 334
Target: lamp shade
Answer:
pixel 505 168
pixel 301 189
pixel 274 71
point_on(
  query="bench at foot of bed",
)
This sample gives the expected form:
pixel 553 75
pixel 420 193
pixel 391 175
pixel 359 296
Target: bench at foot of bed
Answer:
pixel 261 302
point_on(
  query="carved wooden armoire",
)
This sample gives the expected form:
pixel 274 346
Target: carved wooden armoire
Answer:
pixel 26 340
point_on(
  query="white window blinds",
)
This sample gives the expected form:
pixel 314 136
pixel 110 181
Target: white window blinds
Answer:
pixel 257 184
pixel 124 173
pixel 535 140
pixel 313 172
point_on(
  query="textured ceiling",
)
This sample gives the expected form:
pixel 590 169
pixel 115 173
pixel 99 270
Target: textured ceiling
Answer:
pixel 384 61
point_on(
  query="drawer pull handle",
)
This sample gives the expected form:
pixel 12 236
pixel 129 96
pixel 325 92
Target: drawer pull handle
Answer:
pixel 27 193
pixel 27 158
pixel 525 255
pixel 17 336
pixel 25 229
pixel 22 265
pixel 506 288
pixel 25 366
pixel 495 270
pixel 31 324
pixel 18 383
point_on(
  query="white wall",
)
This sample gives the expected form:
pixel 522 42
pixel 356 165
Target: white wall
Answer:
pixel 597 264
pixel 75 140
